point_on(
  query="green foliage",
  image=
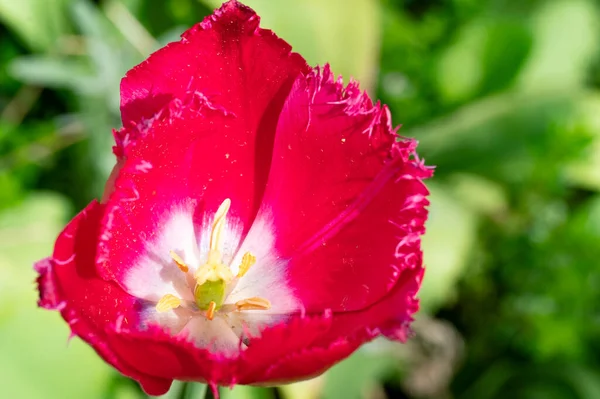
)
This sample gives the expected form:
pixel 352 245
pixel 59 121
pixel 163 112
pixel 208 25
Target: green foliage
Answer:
pixel 33 341
pixel 38 26
pixel 504 99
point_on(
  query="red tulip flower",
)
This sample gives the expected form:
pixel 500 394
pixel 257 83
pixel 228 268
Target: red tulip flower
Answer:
pixel 262 222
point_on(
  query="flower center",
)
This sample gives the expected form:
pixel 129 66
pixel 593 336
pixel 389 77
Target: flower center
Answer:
pixel 213 281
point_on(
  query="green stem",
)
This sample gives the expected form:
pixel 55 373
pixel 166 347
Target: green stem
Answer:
pixel 193 390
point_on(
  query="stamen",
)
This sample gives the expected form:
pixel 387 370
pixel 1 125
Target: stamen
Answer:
pixel 214 269
pixel 254 303
pixel 179 262
pixel 213 277
pixel 247 261
pixel 218 223
pixel 210 312
pixel 168 302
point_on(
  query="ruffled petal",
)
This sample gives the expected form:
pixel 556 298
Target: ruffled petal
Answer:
pixel 155 352
pixel 300 348
pixel 225 52
pixel 345 199
pixel 331 337
pixel 335 335
pixel 94 309
pixel 200 118
pixel 227 59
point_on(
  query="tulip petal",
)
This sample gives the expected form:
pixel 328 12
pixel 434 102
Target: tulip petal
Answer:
pixel 302 347
pixel 92 307
pixel 155 352
pixel 200 118
pixel 327 339
pixel 227 59
pixel 345 199
pixel 227 49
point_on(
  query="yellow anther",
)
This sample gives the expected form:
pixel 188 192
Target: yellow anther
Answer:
pixel 179 262
pixel 168 302
pixel 210 312
pixel 254 303
pixel 247 261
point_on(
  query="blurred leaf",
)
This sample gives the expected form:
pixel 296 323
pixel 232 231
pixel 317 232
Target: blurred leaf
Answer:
pixel 129 391
pixel 26 332
pixel 110 54
pixel 486 56
pixel 480 195
pixel 501 134
pixel 98 156
pixel 356 376
pixel 246 392
pixel 507 46
pixel 587 220
pixel 106 50
pixel 39 23
pixel 448 241
pixel 330 31
pixel 555 60
pixel 551 381
pixel 585 381
pixel 91 22
pixel 163 16
pixel 309 389
pixel 585 171
pixel 459 70
pixel 10 189
pixel 55 72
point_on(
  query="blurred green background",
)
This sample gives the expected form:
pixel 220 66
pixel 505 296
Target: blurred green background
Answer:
pixel 504 97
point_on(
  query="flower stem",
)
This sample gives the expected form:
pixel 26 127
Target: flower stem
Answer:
pixel 193 390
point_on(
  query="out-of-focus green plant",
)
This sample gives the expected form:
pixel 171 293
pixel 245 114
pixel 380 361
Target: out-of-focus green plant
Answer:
pixel 33 342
